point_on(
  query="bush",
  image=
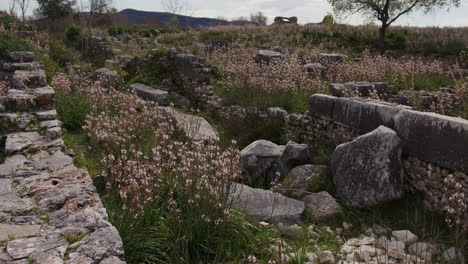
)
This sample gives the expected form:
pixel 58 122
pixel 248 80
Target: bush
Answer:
pixel 116 30
pixel 73 34
pixel 72 109
pixel 9 42
pixel 60 53
pixel 72 102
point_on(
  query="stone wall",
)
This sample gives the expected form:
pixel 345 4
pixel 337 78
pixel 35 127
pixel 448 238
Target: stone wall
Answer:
pixel 50 211
pixel 435 145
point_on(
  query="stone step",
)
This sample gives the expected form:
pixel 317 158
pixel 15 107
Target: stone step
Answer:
pixel 15 121
pixel 46 115
pixel 44 95
pixel 21 56
pixel 18 100
pixel 28 79
pixel 29 142
pixel 23 66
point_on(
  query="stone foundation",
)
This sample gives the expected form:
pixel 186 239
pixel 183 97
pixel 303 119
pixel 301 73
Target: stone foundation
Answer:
pixel 50 211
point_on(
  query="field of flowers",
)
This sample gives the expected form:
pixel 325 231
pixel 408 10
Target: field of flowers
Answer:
pixel 168 195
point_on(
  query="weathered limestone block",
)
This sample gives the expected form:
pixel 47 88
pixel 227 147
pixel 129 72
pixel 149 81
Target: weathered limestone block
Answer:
pixel 321 207
pixel 368 171
pixel 21 56
pixel 192 67
pixel 44 95
pixel 331 58
pixel 257 158
pixel 150 94
pixel 17 142
pixel 434 138
pixel 265 205
pixel 23 66
pixel 267 56
pixel 28 79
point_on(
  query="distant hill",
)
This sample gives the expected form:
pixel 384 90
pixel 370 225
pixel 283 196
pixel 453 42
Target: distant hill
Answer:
pixel 130 17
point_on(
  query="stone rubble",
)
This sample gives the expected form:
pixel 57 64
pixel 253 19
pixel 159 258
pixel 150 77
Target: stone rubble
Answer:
pixel 46 203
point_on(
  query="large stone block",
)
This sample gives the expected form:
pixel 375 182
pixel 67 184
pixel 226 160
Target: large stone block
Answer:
pixel 28 79
pixel 23 66
pixel 377 113
pixel 21 56
pixel 44 95
pixel 322 105
pixel 368 171
pixel 267 56
pixel 264 205
pixel 435 138
pixel 348 112
pixel 258 158
pixel 192 67
pixel 150 94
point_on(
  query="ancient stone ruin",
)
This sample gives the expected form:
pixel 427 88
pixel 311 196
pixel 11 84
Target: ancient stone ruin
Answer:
pixel 50 211
pixel 285 20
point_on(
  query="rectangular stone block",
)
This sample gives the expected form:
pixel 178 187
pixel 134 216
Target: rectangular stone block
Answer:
pixel 44 95
pixel 377 113
pixel 348 112
pixel 322 105
pixel 150 94
pixel 439 139
pixel 28 79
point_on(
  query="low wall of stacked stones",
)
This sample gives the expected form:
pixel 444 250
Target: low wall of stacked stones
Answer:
pixel 50 211
pixel 435 146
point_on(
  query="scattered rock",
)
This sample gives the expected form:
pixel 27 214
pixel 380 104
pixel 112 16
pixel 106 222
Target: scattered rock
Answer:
pixel 314 67
pixel 293 155
pixel 405 236
pixel 265 205
pixel 326 257
pixel 257 158
pixel 267 56
pixel 151 94
pixel 368 171
pixel 195 127
pixel 293 231
pixel 453 256
pixel 331 58
pixel 423 250
pixel 306 178
pixel 322 207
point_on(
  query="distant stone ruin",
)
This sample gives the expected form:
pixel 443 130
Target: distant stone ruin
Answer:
pixel 285 20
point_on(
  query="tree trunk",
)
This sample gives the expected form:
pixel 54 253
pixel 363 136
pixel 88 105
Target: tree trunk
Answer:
pixel 382 39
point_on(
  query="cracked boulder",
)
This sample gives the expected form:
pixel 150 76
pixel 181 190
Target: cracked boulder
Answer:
pixel 368 171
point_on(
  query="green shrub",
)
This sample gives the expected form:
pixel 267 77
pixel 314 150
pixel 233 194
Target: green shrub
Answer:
pixel 9 42
pixel 73 34
pixel 117 30
pixel 72 109
pixel 60 53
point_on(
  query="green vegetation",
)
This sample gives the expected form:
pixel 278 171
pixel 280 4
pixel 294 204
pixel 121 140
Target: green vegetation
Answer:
pixel 144 30
pixel 73 34
pixel 72 109
pixel 72 239
pixel 10 42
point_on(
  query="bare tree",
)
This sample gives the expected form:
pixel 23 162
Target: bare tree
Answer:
pixel 259 18
pixel 175 6
pixel 24 6
pixel 94 8
pixel 12 7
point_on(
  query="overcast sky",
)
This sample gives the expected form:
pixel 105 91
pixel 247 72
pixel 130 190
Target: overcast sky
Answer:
pixel 306 10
